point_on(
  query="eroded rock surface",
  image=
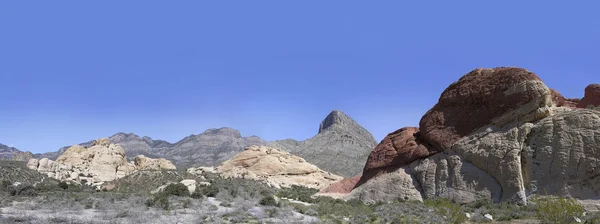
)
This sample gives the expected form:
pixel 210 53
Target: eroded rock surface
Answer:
pixel 563 155
pixel 398 184
pixel 277 168
pixel 397 149
pixel 485 97
pixel 95 165
pixel 144 163
pixel 449 176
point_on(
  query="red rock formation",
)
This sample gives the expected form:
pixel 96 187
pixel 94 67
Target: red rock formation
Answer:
pixel 560 101
pixel 478 99
pixel 344 186
pixel 398 148
pixel 591 97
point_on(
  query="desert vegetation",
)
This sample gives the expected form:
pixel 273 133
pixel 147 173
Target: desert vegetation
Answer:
pixel 243 201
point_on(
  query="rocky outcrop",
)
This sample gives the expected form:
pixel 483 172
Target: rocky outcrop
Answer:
pixel 497 134
pixel 397 149
pixel 397 184
pixel 144 163
pixel 95 165
pixel 276 168
pixel 485 97
pixel 591 99
pixel 341 145
pixel 340 188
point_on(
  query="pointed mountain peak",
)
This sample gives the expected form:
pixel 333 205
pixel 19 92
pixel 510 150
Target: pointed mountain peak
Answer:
pixel 336 118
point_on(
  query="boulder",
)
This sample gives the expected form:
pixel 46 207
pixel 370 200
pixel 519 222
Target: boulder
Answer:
pixel 483 97
pixel 190 184
pixel 277 168
pixel 144 163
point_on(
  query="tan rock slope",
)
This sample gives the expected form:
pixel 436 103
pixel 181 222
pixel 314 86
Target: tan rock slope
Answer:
pixel 95 165
pixel 276 168
pixel 498 134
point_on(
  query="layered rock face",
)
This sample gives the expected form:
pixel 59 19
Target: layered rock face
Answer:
pixel 95 165
pixel 498 134
pixel 341 145
pixel 276 168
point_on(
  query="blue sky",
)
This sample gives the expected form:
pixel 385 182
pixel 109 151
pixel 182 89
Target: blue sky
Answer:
pixel 72 71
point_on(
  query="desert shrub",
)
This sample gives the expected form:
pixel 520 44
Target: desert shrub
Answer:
pixel 297 193
pixel 186 203
pixel 178 189
pixel 268 201
pixel 500 211
pixel 405 212
pixel 160 201
pixel 447 208
pixel 272 212
pixel 5 184
pixel 22 190
pixel 554 209
pixel 329 207
pixel 197 195
pixel 63 185
pixel 209 191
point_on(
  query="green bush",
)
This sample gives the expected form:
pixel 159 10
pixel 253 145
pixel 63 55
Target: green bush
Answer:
pixel 197 195
pixel 160 200
pixel 268 201
pixel 23 190
pixel 210 191
pixel 5 184
pixel 554 209
pixel 63 185
pixel 298 193
pixel 178 189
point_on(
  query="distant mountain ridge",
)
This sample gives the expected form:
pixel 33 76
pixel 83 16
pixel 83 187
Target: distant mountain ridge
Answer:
pixel 341 146
pixel 209 148
pixel 12 153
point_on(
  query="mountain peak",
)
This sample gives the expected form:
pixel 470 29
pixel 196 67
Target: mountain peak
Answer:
pixel 334 118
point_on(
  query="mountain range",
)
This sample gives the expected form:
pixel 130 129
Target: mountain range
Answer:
pixel 341 146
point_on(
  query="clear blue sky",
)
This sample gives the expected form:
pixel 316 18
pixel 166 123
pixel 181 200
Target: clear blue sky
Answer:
pixel 72 71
